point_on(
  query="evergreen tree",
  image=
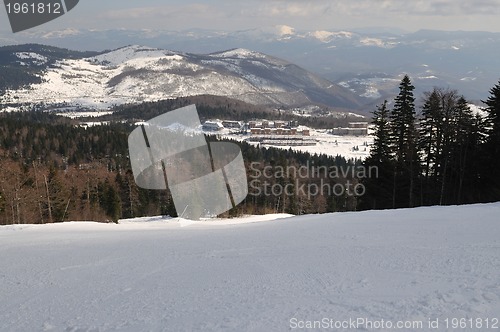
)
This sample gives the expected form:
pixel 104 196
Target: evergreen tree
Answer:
pixel 404 143
pixel 437 142
pixel 464 148
pixel 379 190
pixel 381 150
pixel 450 138
pixel 403 117
pixel 57 198
pixel 430 140
pixel 492 146
pixel 493 118
pixel 109 200
pixel 447 140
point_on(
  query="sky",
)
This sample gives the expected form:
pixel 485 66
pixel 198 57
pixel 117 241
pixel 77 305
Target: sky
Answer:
pixel 233 15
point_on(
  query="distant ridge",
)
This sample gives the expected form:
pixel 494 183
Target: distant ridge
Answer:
pixel 135 74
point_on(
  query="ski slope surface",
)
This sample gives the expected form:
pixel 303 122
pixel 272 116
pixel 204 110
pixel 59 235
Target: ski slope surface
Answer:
pixel 424 265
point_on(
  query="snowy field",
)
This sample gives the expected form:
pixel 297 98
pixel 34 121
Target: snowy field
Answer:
pixel 350 147
pixel 355 147
pixel 405 266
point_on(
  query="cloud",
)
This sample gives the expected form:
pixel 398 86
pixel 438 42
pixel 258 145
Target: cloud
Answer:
pixel 445 7
pixel 315 8
pixel 300 14
pixel 406 15
pixel 158 12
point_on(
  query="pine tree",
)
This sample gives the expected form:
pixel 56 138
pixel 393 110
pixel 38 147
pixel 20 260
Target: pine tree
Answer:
pixel 381 150
pixel 404 143
pixel 450 139
pixel 403 117
pixel 492 147
pixel 430 138
pixel 464 129
pixel 57 198
pixel 493 118
pixel 109 200
pixel 379 190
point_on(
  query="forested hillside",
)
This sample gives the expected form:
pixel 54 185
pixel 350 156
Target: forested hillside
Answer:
pixel 19 69
pixel 216 107
pixel 55 170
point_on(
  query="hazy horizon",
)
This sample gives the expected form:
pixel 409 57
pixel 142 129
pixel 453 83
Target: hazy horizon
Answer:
pixel 447 15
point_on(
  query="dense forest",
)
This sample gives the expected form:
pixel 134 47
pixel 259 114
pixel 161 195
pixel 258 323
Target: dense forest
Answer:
pixel 55 170
pixel 217 107
pixel 443 155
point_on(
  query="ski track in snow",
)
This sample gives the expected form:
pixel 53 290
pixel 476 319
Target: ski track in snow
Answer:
pixel 426 263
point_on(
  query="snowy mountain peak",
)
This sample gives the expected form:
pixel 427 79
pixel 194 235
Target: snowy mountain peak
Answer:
pixel 328 36
pixel 133 52
pixel 240 53
pixel 285 30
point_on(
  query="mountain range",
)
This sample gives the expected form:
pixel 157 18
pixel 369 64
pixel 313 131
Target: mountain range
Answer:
pixel 135 74
pixel 369 62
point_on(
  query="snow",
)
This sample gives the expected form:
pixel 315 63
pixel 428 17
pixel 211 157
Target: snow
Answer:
pixel 350 147
pixel 377 42
pixel 322 35
pixel 285 30
pixel 329 36
pixel 134 52
pixel 241 53
pixel 370 87
pixel 333 145
pixel 136 74
pixel 35 57
pixel 9 109
pixel 400 265
pixel 61 33
pixel 80 114
pixel 372 42
pixel 234 66
pixel 163 222
pixel 371 92
pixel 478 110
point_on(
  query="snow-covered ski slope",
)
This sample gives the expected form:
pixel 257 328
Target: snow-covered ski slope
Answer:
pixel 404 266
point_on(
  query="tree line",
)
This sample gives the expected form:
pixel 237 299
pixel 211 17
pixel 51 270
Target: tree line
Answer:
pixel 445 154
pixel 217 107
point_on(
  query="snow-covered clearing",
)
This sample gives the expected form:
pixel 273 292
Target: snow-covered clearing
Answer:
pixel 243 275
pixel 350 147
